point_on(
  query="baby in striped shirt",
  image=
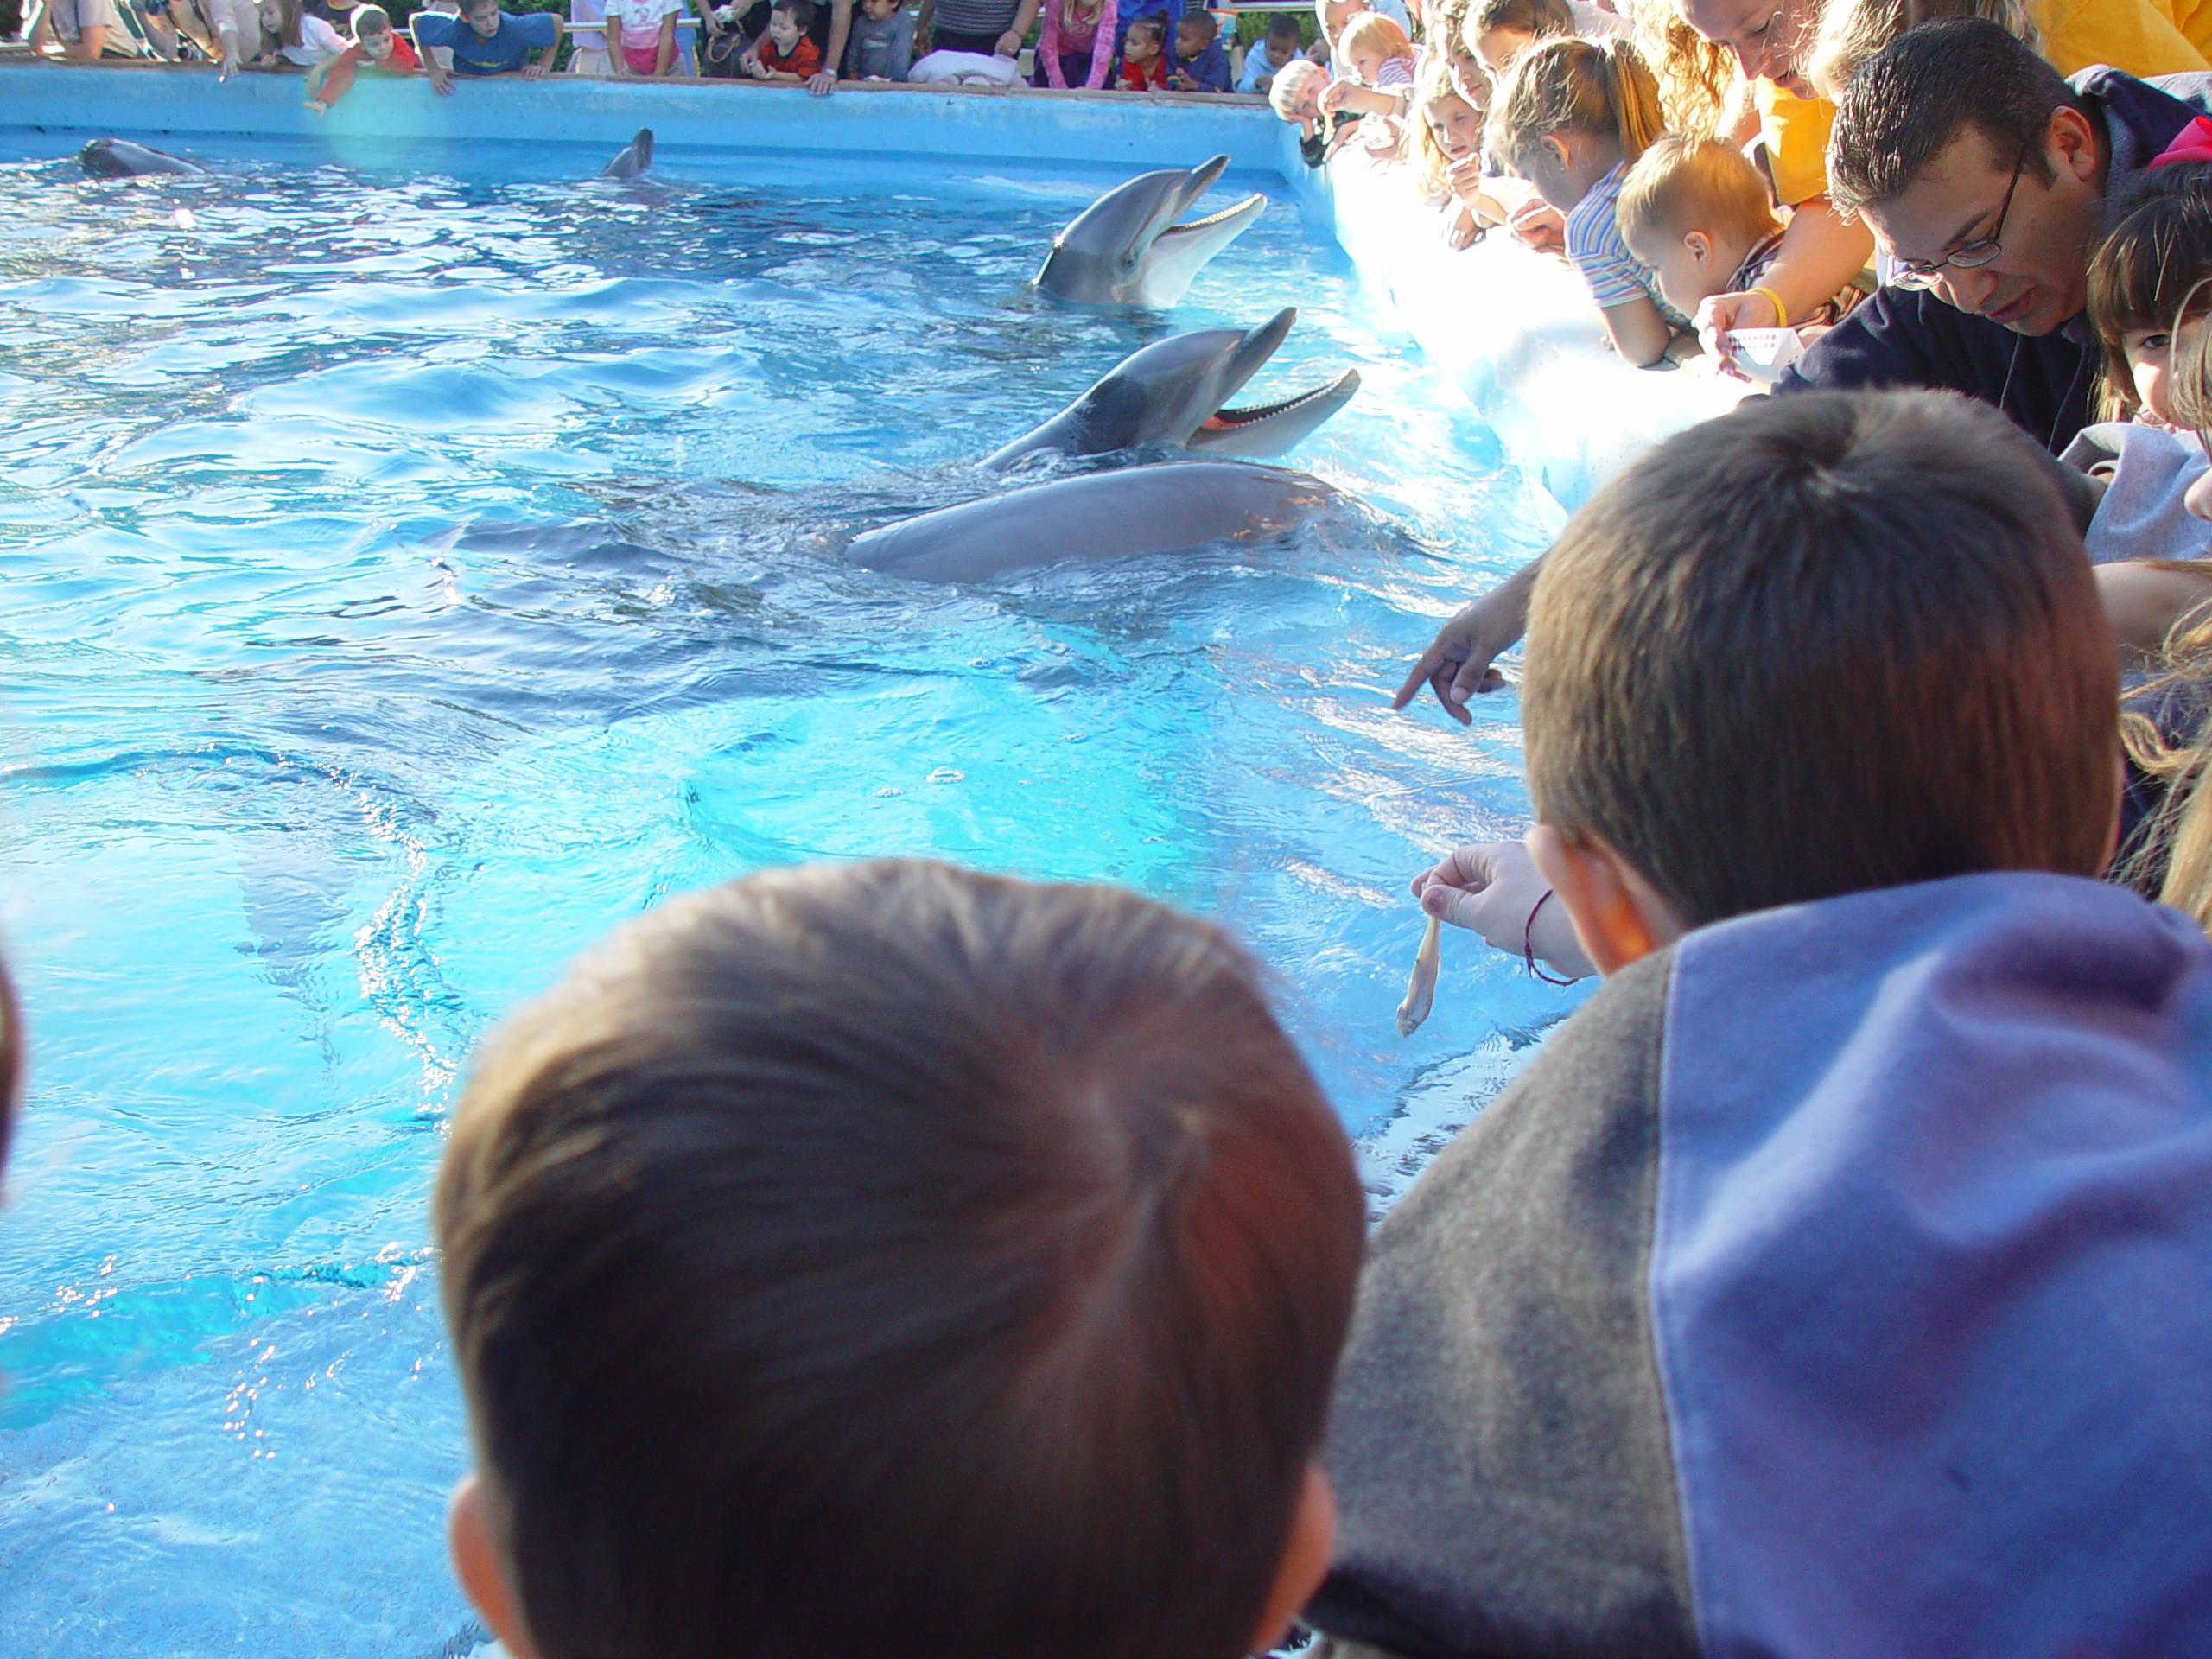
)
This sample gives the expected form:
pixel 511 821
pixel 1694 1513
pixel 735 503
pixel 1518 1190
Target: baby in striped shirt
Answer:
pixel 1381 59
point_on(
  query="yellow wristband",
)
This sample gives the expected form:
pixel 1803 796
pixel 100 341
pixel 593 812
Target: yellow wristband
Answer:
pixel 1781 311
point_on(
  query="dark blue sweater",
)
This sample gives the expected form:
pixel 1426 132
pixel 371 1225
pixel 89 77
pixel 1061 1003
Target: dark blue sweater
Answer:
pixel 1902 337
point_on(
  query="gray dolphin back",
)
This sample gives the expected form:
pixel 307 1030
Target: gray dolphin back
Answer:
pixel 1102 516
pixel 118 158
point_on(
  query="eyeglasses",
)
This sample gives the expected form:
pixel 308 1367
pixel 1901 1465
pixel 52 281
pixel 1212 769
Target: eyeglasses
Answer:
pixel 1967 255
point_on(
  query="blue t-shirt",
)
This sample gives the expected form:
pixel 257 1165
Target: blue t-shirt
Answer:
pixel 518 35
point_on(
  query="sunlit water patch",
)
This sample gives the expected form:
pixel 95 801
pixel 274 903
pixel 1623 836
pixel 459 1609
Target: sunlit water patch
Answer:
pixel 410 573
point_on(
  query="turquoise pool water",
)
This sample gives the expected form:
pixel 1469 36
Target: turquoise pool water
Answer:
pixel 322 746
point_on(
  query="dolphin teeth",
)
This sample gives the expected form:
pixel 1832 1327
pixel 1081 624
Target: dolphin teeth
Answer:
pixel 1210 219
pixel 1227 417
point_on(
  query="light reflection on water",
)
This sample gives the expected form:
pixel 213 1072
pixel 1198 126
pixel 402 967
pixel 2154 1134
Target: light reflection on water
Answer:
pixel 317 757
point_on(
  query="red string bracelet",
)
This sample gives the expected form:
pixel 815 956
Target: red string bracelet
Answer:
pixel 1527 944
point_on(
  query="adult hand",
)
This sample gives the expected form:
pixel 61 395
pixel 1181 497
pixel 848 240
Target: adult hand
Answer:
pixel 821 83
pixel 1333 96
pixel 1722 314
pixel 1537 223
pixel 1009 44
pixel 1462 229
pixel 1495 889
pixel 228 67
pixel 1457 663
pixel 440 81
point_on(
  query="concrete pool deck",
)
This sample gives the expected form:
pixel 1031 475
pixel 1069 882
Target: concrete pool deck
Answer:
pixel 1513 331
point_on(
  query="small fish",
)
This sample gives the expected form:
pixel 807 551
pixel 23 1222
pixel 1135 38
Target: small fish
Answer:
pixel 1421 989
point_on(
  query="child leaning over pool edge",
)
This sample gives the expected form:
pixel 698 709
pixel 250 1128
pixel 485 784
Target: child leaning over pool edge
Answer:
pixel 482 40
pixel 1844 1263
pixel 377 45
pixel 883 1258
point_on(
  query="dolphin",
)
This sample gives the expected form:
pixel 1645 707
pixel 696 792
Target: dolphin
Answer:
pixel 635 157
pixel 118 158
pixel 1101 515
pixel 1126 248
pixel 1177 390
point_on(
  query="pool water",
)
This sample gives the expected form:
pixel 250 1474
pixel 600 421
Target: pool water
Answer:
pixel 410 572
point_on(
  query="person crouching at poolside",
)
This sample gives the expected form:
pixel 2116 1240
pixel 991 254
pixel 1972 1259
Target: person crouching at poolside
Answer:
pixel 486 41
pixel 1446 149
pixel 882 43
pixel 882 1258
pixel 1144 56
pixel 1839 1276
pixel 1694 213
pixel 787 53
pixel 1570 119
pixel 1075 44
pixel 1265 60
pixel 1380 60
pixel 1200 65
pixel 1296 98
pixel 290 35
pixel 376 46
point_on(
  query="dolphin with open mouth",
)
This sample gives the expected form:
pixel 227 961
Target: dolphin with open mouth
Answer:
pixel 1176 392
pixel 1126 248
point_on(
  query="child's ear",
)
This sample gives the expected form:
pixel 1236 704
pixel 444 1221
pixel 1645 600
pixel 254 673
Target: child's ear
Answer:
pixel 1558 147
pixel 477 1564
pixel 1618 915
pixel 1304 1560
pixel 1700 244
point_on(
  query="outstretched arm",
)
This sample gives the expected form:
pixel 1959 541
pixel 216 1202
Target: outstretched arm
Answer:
pixel 824 79
pixel 1496 890
pixel 1457 663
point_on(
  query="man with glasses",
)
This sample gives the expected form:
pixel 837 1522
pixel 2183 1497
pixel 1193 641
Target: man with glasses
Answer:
pixel 1984 177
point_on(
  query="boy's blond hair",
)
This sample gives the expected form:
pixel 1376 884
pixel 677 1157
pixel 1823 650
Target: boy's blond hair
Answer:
pixel 1683 184
pixel 1372 31
pixel 1298 73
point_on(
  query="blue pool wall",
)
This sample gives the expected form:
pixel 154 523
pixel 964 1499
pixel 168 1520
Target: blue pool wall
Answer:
pixel 1513 330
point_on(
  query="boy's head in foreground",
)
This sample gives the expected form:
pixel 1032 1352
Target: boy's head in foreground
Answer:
pixel 1282 40
pixel 885 1258
pixel 1827 643
pixel 1692 210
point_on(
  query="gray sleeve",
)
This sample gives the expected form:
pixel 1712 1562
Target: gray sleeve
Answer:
pixel 902 45
pixel 1499 1444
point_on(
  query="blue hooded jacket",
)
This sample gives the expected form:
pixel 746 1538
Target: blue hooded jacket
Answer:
pixel 1836 1281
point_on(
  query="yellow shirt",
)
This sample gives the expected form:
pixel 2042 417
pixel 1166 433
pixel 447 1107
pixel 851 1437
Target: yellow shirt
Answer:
pixel 2139 37
pixel 1795 133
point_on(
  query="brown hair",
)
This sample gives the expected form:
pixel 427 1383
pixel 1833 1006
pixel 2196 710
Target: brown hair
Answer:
pixel 1851 31
pixel 1697 77
pixel 1913 97
pixel 370 20
pixel 888 1258
pixel 2152 271
pixel 1679 185
pixel 1572 86
pixel 1829 642
pixel 1543 19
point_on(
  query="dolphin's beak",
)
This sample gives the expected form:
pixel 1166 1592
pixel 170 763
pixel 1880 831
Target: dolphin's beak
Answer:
pixel 1271 428
pixel 1215 231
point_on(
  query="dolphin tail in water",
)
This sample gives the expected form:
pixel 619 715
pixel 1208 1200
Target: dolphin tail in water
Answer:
pixel 1127 249
pixel 636 157
pixel 1103 515
pixel 118 158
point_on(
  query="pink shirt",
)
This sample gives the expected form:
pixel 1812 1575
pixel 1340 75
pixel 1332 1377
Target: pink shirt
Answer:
pixel 1062 35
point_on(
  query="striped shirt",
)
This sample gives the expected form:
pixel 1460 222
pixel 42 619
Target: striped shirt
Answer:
pixel 1593 243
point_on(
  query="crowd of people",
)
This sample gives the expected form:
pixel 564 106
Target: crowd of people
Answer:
pixel 1123 45
pixel 888 1258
